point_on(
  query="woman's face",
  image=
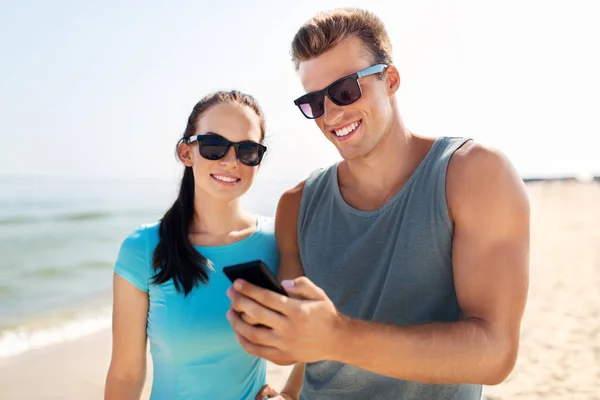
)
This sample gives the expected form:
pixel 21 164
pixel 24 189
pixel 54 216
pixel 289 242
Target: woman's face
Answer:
pixel 226 179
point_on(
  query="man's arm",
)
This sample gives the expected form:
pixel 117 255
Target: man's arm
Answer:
pixel 489 205
pixel 290 265
pixel 286 234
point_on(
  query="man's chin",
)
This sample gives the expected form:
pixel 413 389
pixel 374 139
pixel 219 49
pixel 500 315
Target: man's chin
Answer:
pixel 352 154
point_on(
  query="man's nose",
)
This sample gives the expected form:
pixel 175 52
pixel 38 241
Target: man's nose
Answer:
pixel 332 112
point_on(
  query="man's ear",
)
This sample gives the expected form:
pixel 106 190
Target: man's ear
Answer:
pixel 184 152
pixel 392 79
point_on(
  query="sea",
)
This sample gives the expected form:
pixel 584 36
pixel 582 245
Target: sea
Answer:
pixel 59 238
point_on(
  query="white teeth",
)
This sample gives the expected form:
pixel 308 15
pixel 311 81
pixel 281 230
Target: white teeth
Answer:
pixel 224 178
pixel 346 130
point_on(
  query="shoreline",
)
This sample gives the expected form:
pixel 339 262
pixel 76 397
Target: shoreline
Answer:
pixel 59 325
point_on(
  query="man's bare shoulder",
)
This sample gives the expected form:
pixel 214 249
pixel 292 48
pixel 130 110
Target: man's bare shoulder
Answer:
pixel 477 173
pixel 290 199
pixel 475 163
pixel 475 154
pixel 286 218
pixel 295 192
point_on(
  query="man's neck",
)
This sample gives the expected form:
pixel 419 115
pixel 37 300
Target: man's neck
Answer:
pixel 386 168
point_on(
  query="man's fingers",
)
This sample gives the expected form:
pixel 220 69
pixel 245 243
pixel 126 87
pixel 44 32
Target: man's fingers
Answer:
pixel 254 313
pixel 269 353
pixel 304 288
pixel 248 320
pixel 267 298
pixel 255 334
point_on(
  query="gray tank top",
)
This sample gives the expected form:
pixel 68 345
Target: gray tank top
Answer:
pixel 392 265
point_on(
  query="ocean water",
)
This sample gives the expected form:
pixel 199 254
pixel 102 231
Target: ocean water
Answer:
pixel 58 242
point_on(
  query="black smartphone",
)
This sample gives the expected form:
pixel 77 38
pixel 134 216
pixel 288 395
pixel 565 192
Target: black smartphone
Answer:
pixel 255 272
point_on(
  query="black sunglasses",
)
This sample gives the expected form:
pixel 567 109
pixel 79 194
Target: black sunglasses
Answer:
pixel 342 92
pixel 213 146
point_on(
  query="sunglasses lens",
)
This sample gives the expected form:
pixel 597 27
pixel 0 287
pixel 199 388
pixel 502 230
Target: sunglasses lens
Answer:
pixel 345 92
pixel 213 147
pixel 312 105
pixel 250 153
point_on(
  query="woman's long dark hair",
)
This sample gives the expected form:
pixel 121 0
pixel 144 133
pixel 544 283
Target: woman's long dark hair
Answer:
pixel 175 257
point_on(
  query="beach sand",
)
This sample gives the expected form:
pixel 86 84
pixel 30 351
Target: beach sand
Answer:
pixel 559 355
pixel 560 347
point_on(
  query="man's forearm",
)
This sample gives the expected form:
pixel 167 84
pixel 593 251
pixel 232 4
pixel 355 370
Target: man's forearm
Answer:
pixel 439 352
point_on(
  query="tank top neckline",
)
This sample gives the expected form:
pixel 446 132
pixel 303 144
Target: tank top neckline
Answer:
pixel 404 189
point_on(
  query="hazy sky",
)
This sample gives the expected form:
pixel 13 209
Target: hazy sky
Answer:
pixel 104 88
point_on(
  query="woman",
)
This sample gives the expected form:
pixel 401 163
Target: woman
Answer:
pixel 168 281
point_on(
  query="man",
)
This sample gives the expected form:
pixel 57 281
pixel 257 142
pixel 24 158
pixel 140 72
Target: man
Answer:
pixel 407 262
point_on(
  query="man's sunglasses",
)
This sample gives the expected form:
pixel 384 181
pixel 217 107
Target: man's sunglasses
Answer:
pixel 342 92
pixel 214 147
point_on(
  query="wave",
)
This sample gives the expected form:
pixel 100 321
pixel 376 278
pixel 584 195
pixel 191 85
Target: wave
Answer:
pixel 85 216
pixel 49 272
pixel 20 340
pixel 97 264
pixel 57 271
pixel 6 292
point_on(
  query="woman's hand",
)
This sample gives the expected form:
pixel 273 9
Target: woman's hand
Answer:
pixel 270 393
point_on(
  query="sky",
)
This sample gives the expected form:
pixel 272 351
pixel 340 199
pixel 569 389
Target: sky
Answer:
pixel 104 88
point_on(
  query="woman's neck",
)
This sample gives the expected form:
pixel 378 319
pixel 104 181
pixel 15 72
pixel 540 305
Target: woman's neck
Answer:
pixel 218 218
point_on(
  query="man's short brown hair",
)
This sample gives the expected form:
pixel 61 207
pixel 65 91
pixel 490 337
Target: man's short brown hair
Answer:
pixel 327 29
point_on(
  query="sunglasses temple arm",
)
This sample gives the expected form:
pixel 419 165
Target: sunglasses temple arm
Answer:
pixel 375 69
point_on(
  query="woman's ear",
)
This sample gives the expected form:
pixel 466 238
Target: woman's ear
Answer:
pixel 184 152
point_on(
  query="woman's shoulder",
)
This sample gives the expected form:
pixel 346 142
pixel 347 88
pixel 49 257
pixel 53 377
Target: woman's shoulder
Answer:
pixel 265 231
pixel 266 224
pixel 142 235
pixel 133 259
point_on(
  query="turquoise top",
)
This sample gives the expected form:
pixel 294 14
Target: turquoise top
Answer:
pixel 195 354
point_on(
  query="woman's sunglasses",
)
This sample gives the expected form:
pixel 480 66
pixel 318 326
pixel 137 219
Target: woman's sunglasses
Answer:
pixel 342 92
pixel 214 147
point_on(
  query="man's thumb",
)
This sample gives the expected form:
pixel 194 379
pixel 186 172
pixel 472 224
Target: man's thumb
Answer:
pixel 304 288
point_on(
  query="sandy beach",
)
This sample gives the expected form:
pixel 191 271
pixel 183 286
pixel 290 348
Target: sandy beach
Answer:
pixel 560 347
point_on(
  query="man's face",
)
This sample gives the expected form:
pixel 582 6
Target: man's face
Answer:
pixel 355 129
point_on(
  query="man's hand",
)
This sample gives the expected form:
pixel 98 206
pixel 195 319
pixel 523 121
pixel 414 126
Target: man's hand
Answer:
pixel 300 329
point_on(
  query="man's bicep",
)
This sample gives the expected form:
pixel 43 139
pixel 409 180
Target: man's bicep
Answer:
pixel 291 266
pixel 286 233
pixel 491 243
